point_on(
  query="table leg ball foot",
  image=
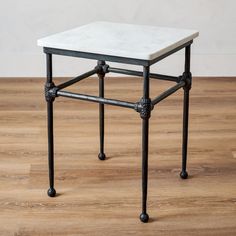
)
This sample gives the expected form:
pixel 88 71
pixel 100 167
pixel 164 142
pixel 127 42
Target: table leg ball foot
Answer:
pixel 102 156
pixel 144 217
pixel 184 174
pixel 51 192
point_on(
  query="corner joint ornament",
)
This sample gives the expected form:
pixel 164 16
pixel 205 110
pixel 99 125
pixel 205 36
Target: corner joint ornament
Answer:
pixel 50 91
pixel 144 107
pixel 102 68
pixel 187 78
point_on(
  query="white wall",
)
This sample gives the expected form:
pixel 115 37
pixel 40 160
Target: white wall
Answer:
pixel 23 22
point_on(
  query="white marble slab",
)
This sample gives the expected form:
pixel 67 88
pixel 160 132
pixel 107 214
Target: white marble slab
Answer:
pixel 123 40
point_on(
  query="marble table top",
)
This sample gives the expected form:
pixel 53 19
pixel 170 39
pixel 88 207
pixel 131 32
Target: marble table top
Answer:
pixel 122 40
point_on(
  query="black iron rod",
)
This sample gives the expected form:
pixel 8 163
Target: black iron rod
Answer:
pixel 50 144
pixel 145 128
pixel 164 77
pixel 125 71
pixel 187 59
pixel 77 79
pixel 113 102
pixel 168 92
pixel 51 190
pixel 185 130
pixel 184 173
pixel 146 81
pixel 145 133
pixel 101 113
pixel 49 67
pixel 101 76
pixel 140 74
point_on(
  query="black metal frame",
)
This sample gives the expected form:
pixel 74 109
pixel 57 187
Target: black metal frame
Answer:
pixel 144 106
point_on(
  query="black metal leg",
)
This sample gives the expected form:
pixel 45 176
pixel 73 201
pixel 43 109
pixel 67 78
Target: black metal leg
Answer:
pixel 184 173
pixel 51 190
pixel 187 87
pixel 101 76
pixel 144 216
pixel 145 115
pixel 49 84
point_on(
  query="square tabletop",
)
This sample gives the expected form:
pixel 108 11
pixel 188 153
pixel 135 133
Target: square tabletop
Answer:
pixel 120 40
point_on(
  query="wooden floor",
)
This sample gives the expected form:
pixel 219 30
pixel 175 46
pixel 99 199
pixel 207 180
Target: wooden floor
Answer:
pixel 104 197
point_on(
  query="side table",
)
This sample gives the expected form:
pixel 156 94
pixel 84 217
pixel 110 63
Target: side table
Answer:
pixel 121 43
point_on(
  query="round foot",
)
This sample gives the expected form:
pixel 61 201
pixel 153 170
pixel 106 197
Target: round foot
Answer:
pixel 144 217
pixel 51 192
pixel 102 156
pixel 184 174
